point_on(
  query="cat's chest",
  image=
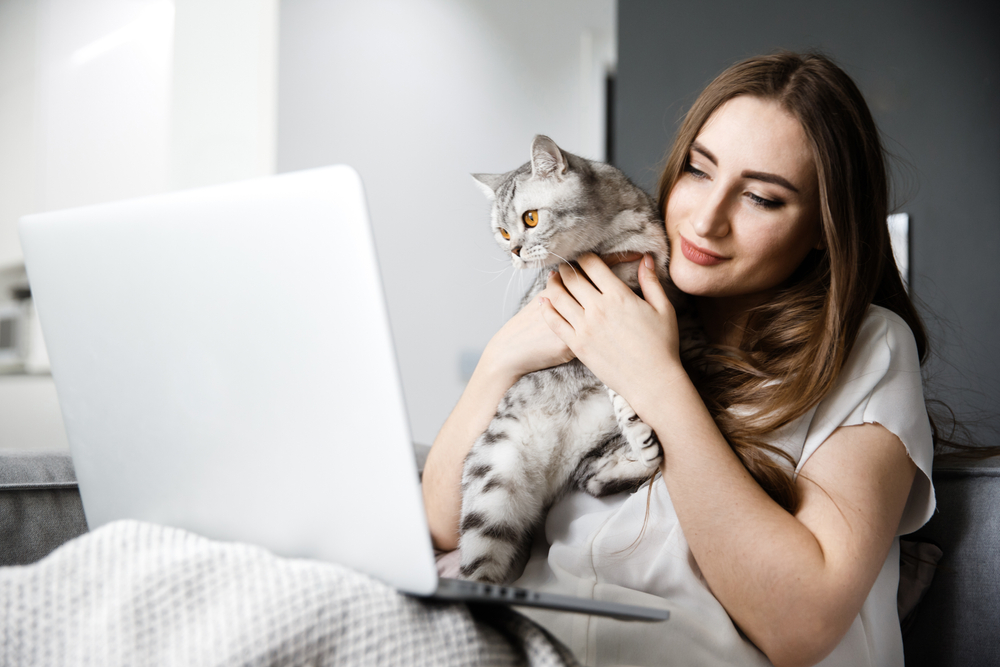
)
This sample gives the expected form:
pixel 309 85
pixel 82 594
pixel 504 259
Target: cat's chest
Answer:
pixel 564 393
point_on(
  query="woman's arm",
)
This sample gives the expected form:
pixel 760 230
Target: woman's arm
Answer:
pixel 793 584
pixel 524 344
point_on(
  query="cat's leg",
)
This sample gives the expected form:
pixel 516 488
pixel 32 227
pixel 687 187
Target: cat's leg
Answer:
pixel 642 440
pixel 611 467
pixel 503 497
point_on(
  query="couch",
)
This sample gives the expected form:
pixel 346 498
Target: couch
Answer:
pixel 952 618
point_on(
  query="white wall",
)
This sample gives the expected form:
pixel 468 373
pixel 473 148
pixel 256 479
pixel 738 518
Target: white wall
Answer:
pixel 417 94
pixel 18 153
pixel 111 99
pixel 224 94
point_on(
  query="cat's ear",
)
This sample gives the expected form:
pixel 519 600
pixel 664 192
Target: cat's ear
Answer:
pixel 547 159
pixel 489 183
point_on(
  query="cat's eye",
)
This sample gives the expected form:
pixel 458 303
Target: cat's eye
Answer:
pixel 503 233
pixel 530 218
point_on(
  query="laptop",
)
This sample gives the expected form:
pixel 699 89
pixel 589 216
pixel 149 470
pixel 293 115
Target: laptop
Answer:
pixel 224 364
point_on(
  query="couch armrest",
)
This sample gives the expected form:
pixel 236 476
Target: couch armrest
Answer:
pixel 39 505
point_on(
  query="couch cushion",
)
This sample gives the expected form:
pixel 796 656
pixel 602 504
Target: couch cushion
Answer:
pixel 956 622
pixel 39 505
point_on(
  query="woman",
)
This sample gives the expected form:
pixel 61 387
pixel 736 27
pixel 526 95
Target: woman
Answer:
pixel 797 452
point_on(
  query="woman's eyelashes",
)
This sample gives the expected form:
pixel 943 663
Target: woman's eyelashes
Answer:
pixel 769 204
pixel 694 171
pixel 755 199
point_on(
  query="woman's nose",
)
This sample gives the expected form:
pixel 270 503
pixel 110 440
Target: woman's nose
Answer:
pixel 711 218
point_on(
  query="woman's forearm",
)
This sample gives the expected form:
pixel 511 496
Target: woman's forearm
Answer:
pixel 792 583
pixel 442 476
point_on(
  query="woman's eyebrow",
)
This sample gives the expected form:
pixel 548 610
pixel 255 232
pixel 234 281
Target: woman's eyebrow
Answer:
pixel 770 178
pixel 698 148
pixel 756 175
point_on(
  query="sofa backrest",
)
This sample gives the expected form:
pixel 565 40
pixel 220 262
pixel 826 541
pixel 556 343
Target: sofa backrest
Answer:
pixel 958 621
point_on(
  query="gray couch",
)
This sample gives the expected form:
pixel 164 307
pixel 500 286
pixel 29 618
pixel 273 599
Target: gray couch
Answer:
pixel 955 621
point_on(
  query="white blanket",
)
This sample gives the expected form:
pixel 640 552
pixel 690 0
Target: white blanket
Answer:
pixel 132 593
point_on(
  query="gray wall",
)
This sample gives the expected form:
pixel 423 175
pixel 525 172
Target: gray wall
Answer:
pixel 931 74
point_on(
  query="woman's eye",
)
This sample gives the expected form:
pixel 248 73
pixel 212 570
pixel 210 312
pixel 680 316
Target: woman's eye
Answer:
pixel 764 203
pixel 503 233
pixel 694 171
pixel 530 218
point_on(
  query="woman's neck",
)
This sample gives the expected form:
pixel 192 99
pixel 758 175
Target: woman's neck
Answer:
pixel 725 318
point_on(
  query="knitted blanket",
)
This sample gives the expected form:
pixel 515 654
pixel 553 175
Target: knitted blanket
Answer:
pixel 132 593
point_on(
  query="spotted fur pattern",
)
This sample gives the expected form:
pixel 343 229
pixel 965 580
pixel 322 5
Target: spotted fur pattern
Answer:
pixel 558 428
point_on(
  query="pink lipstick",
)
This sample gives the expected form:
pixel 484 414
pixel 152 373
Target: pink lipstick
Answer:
pixel 700 255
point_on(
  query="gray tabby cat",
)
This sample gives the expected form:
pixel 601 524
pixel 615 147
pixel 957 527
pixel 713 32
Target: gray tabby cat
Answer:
pixel 561 427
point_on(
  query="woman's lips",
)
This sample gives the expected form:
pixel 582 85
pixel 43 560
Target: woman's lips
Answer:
pixel 700 255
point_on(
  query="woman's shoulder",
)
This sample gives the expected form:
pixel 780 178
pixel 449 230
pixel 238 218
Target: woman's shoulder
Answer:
pixel 881 383
pixel 884 342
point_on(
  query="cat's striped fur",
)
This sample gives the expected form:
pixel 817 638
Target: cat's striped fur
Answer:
pixel 557 428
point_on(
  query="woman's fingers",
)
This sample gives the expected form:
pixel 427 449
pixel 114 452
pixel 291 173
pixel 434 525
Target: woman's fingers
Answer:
pixel 652 290
pixel 599 273
pixel 579 283
pixel 561 300
pixel 560 327
pixel 621 257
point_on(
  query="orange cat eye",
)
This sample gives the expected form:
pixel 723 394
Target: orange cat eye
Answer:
pixel 530 218
pixel 503 233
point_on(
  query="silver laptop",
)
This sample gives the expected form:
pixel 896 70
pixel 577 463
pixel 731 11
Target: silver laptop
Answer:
pixel 224 364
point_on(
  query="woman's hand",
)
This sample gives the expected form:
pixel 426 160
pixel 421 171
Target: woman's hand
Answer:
pixel 524 344
pixel 620 337
pixel 527 343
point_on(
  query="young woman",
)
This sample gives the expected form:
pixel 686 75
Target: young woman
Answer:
pixel 796 452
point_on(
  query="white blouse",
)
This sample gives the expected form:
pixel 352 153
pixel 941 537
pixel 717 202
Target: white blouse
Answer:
pixel 597 548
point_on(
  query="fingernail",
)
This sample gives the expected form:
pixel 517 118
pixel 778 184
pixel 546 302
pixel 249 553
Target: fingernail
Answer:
pixel 648 261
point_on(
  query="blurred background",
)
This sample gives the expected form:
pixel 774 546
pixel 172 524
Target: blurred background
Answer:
pixel 109 99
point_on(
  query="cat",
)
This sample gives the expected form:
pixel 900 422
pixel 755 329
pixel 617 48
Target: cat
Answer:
pixel 559 428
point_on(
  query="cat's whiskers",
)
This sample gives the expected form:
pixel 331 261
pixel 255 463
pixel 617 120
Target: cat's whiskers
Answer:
pixel 567 262
pixel 494 272
pixel 503 304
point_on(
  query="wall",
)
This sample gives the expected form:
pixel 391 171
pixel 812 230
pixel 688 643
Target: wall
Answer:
pixel 931 74
pixel 417 94
pixel 111 99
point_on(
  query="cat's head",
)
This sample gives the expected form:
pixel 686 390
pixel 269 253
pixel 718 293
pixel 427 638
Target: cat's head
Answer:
pixel 558 206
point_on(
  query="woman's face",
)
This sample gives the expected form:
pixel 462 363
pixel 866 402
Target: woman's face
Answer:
pixel 745 212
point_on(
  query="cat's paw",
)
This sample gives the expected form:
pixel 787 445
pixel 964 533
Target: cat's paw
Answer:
pixel 643 443
pixel 644 446
pixel 613 468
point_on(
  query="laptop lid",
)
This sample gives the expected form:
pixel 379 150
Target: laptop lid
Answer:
pixel 224 364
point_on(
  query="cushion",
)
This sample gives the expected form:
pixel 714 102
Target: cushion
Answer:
pixel 956 622
pixel 39 505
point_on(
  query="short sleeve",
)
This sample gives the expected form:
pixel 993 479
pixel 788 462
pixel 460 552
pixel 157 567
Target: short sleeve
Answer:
pixel 881 384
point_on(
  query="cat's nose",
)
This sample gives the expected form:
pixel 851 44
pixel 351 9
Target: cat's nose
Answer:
pixel 516 250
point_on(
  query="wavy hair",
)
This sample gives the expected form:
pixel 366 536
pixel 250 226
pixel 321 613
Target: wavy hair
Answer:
pixel 794 346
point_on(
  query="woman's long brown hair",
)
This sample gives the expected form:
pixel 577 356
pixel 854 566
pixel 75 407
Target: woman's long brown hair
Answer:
pixel 794 346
